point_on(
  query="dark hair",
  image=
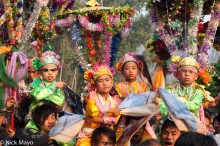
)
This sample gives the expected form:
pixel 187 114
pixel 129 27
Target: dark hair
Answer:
pixel 129 118
pixel 41 113
pixel 195 139
pixel 168 124
pixel 103 131
pixel 150 142
pixel 145 69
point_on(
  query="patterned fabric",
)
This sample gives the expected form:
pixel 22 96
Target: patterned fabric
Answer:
pixel 179 109
pixel 191 96
pixel 125 88
pixel 43 91
pixel 95 107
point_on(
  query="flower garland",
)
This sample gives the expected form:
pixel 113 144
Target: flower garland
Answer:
pixel 115 29
pixel 91 51
pixel 84 21
pixel 107 46
pixel 209 38
pixel 31 23
pixel 19 26
pixel 75 33
pixel 164 35
pixel 114 48
pixel 78 49
pixel 125 30
pixel 124 13
pixel 10 20
pixel 98 46
pixel 66 22
pixel 193 29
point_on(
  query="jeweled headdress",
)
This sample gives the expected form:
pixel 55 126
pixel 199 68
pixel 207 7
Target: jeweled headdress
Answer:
pixel 48 57
pixel 188 61
pixel 96 71
pixel 127 58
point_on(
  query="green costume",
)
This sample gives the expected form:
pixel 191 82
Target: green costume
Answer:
pixel 192 96
pixel 44 91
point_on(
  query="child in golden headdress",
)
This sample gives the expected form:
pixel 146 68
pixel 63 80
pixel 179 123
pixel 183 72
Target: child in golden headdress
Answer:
pixel 187 90
pixel 101 107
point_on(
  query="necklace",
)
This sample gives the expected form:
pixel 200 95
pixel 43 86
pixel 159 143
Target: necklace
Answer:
pixel 130 88
pixel 188 94
pixel 105 103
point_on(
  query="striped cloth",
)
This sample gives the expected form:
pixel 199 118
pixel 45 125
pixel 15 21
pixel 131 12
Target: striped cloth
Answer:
pixel 179 109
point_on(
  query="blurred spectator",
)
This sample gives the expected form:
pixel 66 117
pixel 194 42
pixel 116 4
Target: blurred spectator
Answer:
pixel 103 136
pixel 195 139
pixel 169 133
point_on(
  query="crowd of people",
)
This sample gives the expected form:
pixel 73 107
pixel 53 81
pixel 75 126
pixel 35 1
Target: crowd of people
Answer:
pixel 44 103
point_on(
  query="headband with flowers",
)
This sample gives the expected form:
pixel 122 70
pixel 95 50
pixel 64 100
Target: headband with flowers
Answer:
pixel 48 57
pixel 128 57
pixel 92 74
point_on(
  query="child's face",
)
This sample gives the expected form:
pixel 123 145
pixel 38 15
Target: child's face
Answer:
pixel 104 84
pixel 31 72
pixel 49 72
pixel 48 124
pixel 187 75
pixel 130 71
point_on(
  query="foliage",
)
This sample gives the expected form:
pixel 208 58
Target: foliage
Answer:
pixel 214 87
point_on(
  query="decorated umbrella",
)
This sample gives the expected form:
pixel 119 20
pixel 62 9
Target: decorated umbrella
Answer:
pixel 180 114
pixel 138 104
pixel 67 128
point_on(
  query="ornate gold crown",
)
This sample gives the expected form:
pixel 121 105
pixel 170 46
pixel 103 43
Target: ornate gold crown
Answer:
pixel 94 73
pixel 188 61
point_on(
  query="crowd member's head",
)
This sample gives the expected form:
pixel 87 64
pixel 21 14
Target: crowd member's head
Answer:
pixel 187 71
pixel 169 133
pixel 137 137
pixel 32 72
pixel 195 139
pixel 150 142
pixel 45 117
pixel 103 136
pixel 216 124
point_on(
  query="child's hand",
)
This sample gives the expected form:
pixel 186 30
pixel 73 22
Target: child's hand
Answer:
pixel 60 84
pixel 10 132
pixel 114 111
pixel 89 120
pixel 10 103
